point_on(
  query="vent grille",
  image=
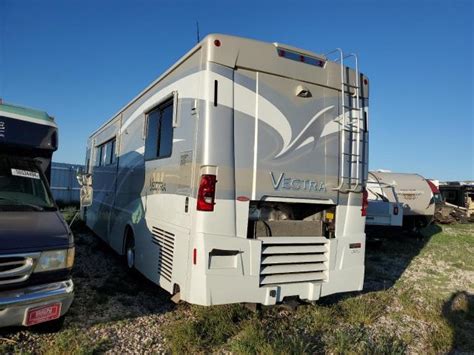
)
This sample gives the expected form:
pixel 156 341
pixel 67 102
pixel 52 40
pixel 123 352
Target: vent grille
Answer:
pixel 16 268
pixel 293 259
pixel 165 240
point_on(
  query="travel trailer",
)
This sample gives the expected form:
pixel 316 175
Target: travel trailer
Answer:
pixel 36 245
pixel 238 175
pixel 415 194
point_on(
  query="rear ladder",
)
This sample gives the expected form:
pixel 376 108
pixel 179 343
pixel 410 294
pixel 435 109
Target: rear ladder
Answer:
pixel 351 179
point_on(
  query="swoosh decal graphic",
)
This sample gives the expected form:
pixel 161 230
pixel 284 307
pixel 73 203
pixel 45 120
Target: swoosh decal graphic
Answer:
pixel 307 135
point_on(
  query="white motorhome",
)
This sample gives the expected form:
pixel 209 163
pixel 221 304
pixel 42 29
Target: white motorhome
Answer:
pixel 238 175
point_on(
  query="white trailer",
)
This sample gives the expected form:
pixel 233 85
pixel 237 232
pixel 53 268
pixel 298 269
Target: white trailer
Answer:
pixel 238 175
pixel 413 192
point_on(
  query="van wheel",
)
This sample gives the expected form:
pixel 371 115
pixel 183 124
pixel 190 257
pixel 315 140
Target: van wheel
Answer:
pixel 130 252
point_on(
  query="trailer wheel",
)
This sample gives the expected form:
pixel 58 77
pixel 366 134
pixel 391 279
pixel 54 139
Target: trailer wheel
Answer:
pixel 130 249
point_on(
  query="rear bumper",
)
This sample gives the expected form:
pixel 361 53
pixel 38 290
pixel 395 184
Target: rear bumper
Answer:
pixel 15 303
pixel 236 274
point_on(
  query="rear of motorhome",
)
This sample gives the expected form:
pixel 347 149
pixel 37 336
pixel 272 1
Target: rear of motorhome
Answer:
pixel 239 175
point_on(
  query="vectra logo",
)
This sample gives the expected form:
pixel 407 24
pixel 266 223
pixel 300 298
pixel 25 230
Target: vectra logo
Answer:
pixel 288 183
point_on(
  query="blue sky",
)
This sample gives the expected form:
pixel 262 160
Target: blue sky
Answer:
pixel 83 60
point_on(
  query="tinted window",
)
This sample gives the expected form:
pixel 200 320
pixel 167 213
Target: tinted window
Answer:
pixel 106 153
pixel 153 130
pixel 159 140
pixel 98 157
pixel 113 158
pixel 166 132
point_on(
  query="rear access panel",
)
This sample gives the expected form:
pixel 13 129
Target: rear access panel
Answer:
pixel 286 137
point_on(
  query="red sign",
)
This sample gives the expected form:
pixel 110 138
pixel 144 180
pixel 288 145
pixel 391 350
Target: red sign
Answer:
pixel 43 314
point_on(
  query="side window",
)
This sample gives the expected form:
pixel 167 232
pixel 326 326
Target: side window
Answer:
pixel 98 155
pixel 159 137
pixel 113 157
pixel 106 153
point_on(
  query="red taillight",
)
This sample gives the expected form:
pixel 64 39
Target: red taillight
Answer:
pixel 433 187
pixel 206 193
pixel 365 203
pixel 194 256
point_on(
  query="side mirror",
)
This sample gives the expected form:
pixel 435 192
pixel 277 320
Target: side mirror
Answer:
pixel 86 196
pixel 83 179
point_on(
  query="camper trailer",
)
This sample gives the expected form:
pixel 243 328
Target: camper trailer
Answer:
pixel 36 245
pixel 415 194
pixel 238 175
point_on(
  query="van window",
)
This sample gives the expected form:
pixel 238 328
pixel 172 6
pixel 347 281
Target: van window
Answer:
pixel 106 153
pixel 23 185
pixel 159 137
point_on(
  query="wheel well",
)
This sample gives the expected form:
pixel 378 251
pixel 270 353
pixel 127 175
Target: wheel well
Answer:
pixel 127 235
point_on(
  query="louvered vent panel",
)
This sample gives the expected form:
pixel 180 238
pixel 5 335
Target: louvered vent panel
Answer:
pixel 293 259
pixel 165 240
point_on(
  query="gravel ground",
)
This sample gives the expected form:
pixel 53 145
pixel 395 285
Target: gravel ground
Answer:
pixel 114 310
pixel 119 311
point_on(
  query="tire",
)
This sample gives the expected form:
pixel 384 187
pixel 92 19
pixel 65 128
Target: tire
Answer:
pixel 130 251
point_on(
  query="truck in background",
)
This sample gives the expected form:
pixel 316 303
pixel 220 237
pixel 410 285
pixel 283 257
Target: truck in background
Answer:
pixel 382 212
pixel 36 244
pixel 415 194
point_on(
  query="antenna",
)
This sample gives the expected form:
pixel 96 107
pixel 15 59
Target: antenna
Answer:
pixel 197 32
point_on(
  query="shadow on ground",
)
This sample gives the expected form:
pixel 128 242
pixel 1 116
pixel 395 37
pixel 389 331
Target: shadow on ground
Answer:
pixel 459 312
pixel 105 289
pixel 388 254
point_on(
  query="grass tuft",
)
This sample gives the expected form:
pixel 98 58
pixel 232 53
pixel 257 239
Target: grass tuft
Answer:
pixel 74 342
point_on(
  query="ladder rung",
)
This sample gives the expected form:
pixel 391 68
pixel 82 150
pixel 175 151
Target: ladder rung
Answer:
pixel 352 108
pixel 352 155
pixel 351 178
pixel 351 86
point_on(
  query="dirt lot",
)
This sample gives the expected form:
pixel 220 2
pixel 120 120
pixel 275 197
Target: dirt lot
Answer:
pixel 418 297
